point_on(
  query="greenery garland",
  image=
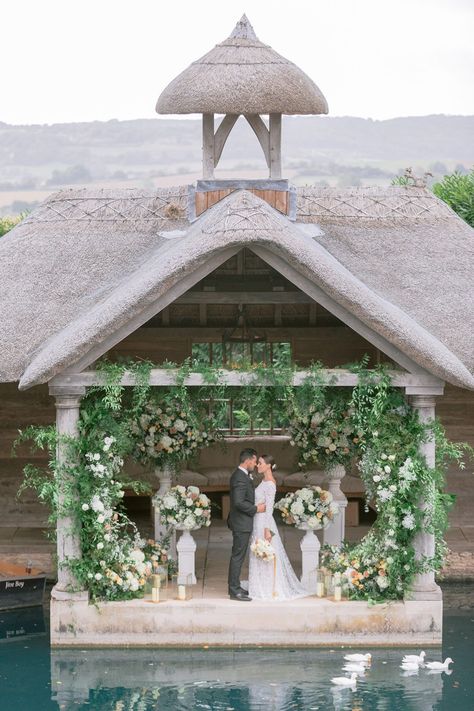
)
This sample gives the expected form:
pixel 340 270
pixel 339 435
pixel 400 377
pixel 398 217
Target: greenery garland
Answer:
pixel 383 433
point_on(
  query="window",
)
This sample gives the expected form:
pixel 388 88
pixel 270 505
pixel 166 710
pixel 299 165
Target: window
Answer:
pixel 234 416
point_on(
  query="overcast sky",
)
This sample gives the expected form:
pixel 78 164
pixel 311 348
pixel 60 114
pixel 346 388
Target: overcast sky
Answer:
pixel 91 60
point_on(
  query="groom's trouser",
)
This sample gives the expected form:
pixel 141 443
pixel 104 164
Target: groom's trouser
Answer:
pixel 240 544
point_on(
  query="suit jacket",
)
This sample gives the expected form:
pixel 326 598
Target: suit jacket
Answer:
pixel 242 502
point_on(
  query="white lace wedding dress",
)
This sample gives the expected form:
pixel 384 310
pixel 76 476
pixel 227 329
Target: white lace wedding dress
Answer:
pixel 267 581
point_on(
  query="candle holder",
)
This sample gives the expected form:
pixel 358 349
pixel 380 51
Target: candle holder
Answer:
pixel 328 583
pixel 182 587
pixel 320 588
pixel 157 584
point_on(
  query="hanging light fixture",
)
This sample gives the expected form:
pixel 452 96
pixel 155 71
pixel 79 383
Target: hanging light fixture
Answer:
pixel 238 343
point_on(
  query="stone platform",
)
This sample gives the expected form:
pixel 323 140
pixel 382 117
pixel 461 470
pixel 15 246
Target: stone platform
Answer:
pixel 210 618
pixel 223 622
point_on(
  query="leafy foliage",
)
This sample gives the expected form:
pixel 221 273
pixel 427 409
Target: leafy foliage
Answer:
pixel 458 192
pixel 386 439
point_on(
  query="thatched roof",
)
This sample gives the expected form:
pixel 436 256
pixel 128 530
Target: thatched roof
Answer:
pixel 242 76
pixel 88 261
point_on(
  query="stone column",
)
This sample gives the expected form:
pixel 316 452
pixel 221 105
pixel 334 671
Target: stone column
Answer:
pixel 68 399
pixel 424 586
pixel 165 477
pixel 309 558
pixel 335 532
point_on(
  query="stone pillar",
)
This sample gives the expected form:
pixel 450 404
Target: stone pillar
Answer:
pixel 335 532
pixel 309 559
pixel 68 399
pixel 165 477
pixel 186 559
pixel 424 586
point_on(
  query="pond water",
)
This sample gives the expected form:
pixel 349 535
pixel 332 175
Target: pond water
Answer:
pixel 32 677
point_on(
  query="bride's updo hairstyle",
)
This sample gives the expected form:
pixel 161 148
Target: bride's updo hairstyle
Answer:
pixel 268 459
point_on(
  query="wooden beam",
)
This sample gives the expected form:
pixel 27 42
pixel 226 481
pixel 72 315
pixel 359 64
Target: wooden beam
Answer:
pixel 207 146
pixel 244 297
pixel 222 134
pixel 338 377
pixel 261 131
pixel 275 146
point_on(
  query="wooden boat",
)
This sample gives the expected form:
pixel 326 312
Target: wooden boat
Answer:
pixel 20 586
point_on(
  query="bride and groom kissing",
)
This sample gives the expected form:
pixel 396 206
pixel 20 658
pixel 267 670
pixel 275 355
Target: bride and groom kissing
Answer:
pixel 251 519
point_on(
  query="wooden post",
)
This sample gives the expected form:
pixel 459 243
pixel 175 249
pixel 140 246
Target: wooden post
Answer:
pixel 68 401
pixel 275 146
pixel 208 146
pixel 424 585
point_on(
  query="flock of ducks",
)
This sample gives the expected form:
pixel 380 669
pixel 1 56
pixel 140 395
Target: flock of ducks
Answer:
pixel 357 664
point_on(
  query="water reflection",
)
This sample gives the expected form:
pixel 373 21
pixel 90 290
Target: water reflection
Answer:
pixel 234 680
pixel 23 623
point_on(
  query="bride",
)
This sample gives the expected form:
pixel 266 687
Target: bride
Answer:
pixel 268 581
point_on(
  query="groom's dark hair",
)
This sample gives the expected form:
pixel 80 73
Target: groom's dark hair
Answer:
pixel 247 454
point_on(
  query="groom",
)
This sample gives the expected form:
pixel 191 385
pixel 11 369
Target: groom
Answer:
pixel 240 519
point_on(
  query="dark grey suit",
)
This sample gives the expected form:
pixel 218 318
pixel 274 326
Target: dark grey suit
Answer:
pixel 240 522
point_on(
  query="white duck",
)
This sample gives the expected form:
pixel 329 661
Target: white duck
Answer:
pixel 439 665
pixel 358 668
pixel 361 658
pixel 409 666
pixel 419 658
pixel 344 680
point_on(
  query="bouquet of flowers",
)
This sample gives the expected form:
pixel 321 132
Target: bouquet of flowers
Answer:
pixel 323 435
pixel 263 549
pixel 335 559
pixel 166 434
pixel 157 552
pixel 183 507
pixel 311 505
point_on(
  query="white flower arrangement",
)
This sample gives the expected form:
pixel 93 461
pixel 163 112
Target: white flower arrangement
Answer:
pixel 263 549
pixel 183 507
pixel 323 435
pixel 311 505
pixel 166 434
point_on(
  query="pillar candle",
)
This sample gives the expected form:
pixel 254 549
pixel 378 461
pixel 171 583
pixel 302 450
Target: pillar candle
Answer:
pixel 181 592
pixel 156 581
pixel 338 593
pixel 155 594
pixel 320 589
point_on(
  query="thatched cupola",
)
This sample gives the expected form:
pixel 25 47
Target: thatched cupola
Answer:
pixel 242 77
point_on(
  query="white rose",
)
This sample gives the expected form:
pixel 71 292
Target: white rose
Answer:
pixel 107 537
pixel 96 457
pixel 376 478
pixel 100 545
pixel 166 442
pixel 169 501
pixel 391 457
pixel 100 518
pixel 189 502
pixel 311 507
pixel 85 507
pixel 392 487
pixel 98 576
pixel 181 489
pixel 381 581
pixel 90 576
pixel 97 504
pixel 297 508
pixel 180 425
pixel 387 469
pixel 198 512
pixel 193 489
pixel 383 456
pixel 137 555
